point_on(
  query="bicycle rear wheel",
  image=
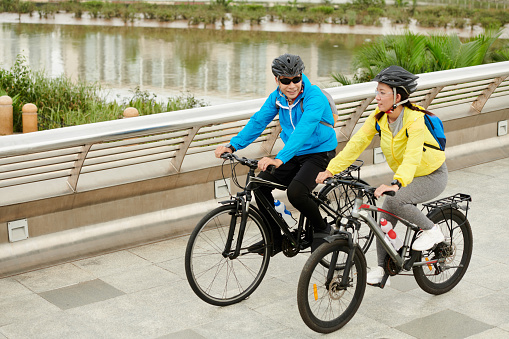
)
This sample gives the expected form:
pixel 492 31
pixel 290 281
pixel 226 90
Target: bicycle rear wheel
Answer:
pixel 341 199
pixel 324 305
pixel 455 253
pixel 212 274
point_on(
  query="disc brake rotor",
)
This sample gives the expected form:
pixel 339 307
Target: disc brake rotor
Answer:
pixel 335 291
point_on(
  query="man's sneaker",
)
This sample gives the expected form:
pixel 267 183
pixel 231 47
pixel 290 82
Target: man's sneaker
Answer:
pixel 428 238
pixel 375 276
pixel 319 237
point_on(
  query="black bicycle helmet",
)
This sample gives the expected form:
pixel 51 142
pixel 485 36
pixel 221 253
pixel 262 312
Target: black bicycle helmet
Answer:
pixel 288 65
pixel 396 76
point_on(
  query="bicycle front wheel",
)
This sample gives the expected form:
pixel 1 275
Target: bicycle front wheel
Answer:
pixel 341 198
pixel 213 274
pixel 454 253
pixel 324 305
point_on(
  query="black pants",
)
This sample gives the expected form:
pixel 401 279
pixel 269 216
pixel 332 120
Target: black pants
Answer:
pixel 299 175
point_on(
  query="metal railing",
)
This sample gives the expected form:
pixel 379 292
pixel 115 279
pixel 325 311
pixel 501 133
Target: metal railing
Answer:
pixel 81 158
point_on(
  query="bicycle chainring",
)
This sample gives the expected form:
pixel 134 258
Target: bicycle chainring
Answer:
pixel 390 266
pixel 288 248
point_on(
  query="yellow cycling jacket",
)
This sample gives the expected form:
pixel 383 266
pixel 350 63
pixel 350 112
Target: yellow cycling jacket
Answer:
pixel 406 156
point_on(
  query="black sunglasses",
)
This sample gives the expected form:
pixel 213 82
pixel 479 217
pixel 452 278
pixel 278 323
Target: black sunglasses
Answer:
pixel 295 80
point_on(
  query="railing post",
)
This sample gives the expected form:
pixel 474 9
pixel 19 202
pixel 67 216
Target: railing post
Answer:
pixel 6 120
pixel 29 118
pixel 131 112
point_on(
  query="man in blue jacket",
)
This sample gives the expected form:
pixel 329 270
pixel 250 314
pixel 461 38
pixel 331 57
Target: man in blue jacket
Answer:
pixel 310 141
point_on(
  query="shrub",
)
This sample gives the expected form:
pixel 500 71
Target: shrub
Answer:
pixel 62 102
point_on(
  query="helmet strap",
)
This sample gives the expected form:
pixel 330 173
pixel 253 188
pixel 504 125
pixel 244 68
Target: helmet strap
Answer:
pixel 394 104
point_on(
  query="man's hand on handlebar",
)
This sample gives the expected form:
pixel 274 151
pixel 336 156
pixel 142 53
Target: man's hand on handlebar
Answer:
pixel 265 162
pixel 320 178
pixel 220 150
pixel 385 188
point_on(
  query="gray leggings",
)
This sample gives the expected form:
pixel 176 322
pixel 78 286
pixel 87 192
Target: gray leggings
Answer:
pixel 421 189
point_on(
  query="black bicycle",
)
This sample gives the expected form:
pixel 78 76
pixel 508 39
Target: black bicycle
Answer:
pixel 329 295
pixel 228 252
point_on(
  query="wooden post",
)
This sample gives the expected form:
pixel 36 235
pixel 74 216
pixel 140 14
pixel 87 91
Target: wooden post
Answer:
pixel 130 112
pixel 6 120
pixel 29 118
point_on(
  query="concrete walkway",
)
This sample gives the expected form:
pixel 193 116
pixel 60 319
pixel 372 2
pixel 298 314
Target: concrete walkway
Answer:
pixel 143 292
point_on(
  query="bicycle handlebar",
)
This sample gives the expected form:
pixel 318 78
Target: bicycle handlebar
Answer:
pixel 355 184
pixel 251 163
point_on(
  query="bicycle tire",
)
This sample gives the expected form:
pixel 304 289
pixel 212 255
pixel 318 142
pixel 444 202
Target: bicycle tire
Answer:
pixel 213 276
pixel 342 198
pixel 325 307
pixel 440 278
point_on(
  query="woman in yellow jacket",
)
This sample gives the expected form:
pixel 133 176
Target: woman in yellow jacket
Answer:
pixel 420 173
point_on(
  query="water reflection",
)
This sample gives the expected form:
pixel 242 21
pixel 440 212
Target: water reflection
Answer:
pixel 207 63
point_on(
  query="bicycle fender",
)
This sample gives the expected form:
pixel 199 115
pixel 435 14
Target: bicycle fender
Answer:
pixel 341 235
pixel 228 202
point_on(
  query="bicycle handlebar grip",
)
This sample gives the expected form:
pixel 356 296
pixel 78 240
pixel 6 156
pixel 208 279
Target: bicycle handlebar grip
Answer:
pixel 271 169
pixel 391 193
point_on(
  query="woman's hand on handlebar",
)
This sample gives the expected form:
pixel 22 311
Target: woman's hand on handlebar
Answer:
pixel 265 162
pixel 220 150
pixel 320 178
pixel 385 189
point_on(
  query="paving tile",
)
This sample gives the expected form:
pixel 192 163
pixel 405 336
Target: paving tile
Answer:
pixel 461 293
pixel 162 251
pixel 444 324
pixel 287 268
pixel 493 333
pixel 81 294
pixel 142 278
pixel 392 307
pixel 247 324
pixel 70 325
pixel 175 266
pixel 53 277
pixel 185 334
pixel 363 326
pixel 24 306
pixel 270 291
pixel 11 288
pixel 111 263
pixel 494 276
pixel 492 309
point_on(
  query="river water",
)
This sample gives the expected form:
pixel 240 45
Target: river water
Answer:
pixel 215 65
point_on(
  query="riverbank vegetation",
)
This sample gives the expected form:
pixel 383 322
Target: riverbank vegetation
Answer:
pixel 63 102
pixel 424 53
pixel 358 12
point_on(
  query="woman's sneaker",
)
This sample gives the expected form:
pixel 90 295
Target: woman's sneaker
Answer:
pixel 428 238
pixel 375 276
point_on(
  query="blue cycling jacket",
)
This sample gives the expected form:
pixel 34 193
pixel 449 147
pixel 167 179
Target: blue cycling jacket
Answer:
pixel 302 132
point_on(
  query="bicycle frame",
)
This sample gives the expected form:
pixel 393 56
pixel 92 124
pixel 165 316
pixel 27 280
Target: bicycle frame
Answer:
pixel 359 211
pixel 244 199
